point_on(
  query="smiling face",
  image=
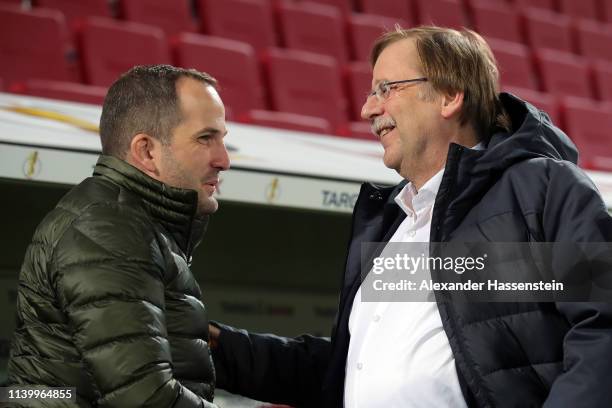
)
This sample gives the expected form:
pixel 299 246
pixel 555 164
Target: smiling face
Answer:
pixel 409 121
pixel 196 152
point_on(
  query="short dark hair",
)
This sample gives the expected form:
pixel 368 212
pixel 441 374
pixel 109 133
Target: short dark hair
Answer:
pixel 456 61
pixel 143 100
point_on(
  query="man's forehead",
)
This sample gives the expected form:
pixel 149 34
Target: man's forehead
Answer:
pixel 214 94
pixel 190 87
pixel 194 94
pixel 398 60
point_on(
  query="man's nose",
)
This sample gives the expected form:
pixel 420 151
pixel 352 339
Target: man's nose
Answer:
pixel 221 159
pixel 371 108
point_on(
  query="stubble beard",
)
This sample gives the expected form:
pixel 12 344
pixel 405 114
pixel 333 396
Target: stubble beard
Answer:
pixel 178 177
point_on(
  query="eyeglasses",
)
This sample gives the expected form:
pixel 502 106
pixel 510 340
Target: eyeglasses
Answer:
pixel 384 88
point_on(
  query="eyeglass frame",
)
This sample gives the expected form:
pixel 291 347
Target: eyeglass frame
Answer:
pixel 378 92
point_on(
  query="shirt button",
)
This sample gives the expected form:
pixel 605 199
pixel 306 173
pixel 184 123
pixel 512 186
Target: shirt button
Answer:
pixel 411 233
pixel 359 366
pixel 376 318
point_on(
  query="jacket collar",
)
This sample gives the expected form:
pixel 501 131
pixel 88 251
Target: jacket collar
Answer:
pixel 174 208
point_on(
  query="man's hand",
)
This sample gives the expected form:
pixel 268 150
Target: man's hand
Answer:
pixel 213 336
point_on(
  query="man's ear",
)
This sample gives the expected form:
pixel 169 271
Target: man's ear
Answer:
pixel 452 104
pixel 145 154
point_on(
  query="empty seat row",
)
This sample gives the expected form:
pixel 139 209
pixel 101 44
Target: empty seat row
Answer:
pixel 414 11
pixel 50 57
pixel 591 9
pixel 297 82
pixel 171 14
pixel 365 28
pixel 556 72
pixel 543 29
pixel 243 89
pixel 254 21
pixel 288 75
pixel 251 21
pixel 588 124
pixel 596 10
pixel 73 10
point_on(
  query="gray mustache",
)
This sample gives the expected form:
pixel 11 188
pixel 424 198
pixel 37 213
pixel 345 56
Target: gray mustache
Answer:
pixel 380 123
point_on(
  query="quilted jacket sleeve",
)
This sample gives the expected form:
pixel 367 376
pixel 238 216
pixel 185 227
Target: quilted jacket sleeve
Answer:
pixel 576 213
pixel 109 278
pixel 271 368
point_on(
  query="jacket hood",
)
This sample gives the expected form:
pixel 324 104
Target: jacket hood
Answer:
pixel 532 135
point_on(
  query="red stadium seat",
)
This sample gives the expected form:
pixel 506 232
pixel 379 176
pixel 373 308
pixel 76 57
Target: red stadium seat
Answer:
pixel 541 100
pixel 539 4
pixel 496 20
pixel 563 74
pixel 250 21
pixel 607 11
pixel 603 80
pixel 77 9
pixel 314 28
pixel 359 83
pixel 443 13
pixel 33 44
pixel 344 6
pixel 171 16
pixel 285 120
pixel 589 124
pixel 364 29
pixel 547 29
pixel 390 8
pixel 514 63
pixel 103 61
pixel 594 39
pixel 580 8
pixel 68 91
pixel 305 83
pixel 232 63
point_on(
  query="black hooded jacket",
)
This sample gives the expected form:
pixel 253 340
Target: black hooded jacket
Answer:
pixel 525 187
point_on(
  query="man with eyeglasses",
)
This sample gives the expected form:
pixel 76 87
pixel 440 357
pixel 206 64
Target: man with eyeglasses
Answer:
pixel 478 166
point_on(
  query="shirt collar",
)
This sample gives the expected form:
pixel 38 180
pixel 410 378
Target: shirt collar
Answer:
pixel 479 146
pixel 412 201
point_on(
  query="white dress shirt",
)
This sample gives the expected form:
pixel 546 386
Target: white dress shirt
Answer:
pixel 399 354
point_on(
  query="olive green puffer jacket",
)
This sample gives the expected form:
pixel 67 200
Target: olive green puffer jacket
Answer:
pixel 107 302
